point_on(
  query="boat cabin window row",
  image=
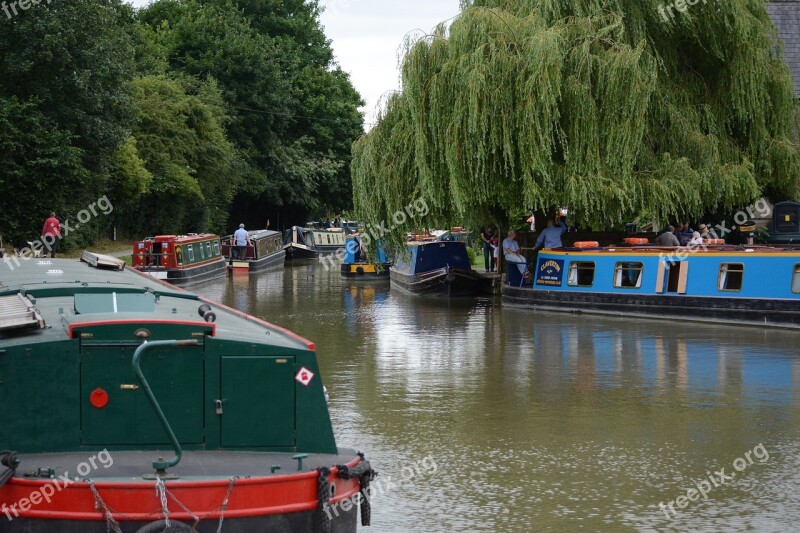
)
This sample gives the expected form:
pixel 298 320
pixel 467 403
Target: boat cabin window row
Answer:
pixel 197 251
pixel 629 275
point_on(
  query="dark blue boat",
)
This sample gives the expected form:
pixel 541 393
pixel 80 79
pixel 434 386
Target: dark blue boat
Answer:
pixel 439 268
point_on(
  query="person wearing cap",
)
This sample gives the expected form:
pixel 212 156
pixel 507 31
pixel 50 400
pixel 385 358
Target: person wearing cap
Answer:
pixel 241 240
pixel 707 233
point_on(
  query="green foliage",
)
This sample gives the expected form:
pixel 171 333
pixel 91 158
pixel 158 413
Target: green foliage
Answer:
pixel 41 170
pixel 180 136
pixel 170 111
pixel 293 113
pixel 602 106
pixel 65 109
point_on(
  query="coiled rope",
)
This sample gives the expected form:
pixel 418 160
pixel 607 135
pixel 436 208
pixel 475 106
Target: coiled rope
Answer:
pixel 9 460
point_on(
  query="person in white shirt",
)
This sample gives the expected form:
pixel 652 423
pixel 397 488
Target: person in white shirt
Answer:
pixel 511 251
pixel 241 239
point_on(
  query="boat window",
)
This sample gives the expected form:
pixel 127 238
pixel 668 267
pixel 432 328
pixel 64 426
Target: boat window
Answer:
pixel 208 248
pixel 179 254
pixel 581 274
pixel 190 249
pixel 796 279
pixel 731 277
pixel 628 275
pixel 216 247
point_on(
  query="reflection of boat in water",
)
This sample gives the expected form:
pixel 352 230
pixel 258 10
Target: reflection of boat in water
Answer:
pixel 362 264
pixel 266 252
pixel 126 368
pixel 180 260
pixel 309 243
pixel 435 268
pixel 723 284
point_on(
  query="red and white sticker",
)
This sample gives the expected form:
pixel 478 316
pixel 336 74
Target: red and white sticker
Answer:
pixel 304 376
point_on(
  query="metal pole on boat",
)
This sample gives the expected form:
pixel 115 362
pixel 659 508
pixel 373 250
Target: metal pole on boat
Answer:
pixel 160 465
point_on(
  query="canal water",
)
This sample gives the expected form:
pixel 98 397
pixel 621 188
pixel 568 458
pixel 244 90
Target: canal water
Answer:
pixel 484 418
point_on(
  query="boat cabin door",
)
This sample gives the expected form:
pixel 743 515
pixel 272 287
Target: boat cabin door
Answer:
pixel 672 277
pixel 257 408
pixel 114 408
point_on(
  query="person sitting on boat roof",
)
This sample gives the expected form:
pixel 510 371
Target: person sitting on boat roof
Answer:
pixel 327 224
pixel 707 233
pixel 511 251
pixel 685 234
pixel 668 238
pixel 241 241
pixel 551 235
pixel 696 239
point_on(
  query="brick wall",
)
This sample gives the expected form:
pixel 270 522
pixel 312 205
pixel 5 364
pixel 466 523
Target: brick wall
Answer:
pixel 786 16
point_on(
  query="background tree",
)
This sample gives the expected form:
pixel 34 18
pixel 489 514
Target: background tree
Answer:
pixel 294 113
pixel 66 110
pixel 603 106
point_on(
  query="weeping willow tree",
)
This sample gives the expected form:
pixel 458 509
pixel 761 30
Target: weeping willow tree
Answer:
pixel 615 108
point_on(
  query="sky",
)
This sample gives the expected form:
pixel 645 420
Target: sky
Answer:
pixel 367 36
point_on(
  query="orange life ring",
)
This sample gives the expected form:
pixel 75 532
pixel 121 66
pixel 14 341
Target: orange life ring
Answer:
pixel 587 244
pixel 715 241
pixel 637 240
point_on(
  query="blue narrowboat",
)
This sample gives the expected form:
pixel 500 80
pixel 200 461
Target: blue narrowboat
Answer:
pixel 362 264
pixel 440 268
pixel 717 283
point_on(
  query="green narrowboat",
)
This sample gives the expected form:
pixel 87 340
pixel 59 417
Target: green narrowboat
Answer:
pixel 133 406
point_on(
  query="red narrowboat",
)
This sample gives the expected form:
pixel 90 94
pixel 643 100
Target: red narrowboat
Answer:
pixel 180 260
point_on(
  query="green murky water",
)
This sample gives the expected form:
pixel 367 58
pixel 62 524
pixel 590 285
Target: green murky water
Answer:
pixel 484 418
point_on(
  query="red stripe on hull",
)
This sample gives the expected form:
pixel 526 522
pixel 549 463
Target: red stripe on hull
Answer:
pixel 137 501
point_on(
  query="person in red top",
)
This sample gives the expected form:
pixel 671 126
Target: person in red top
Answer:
pixel 51 234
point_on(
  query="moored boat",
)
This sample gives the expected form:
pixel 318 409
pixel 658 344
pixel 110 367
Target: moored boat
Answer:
pixel 265 252
pixel 310 243
pixel 361 264
pixel 180 259
pixel 717 283
pixel 129 371
pixel 440 268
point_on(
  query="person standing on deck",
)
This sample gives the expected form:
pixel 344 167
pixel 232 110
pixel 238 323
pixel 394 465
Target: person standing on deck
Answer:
pixel 551 235
pixel 511 251
pixel 242 240
pixel 51 234
pixel 486 236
